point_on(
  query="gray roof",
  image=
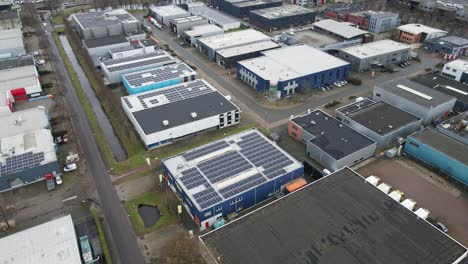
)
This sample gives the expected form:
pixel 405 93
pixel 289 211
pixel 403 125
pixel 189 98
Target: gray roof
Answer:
pixel 353 107
pixel 246 3
pixel 16 62
pixel 158 57
pixel 344 8
pixel 332 136
pixel 383 118
pixel 443 143
pixel 9 15
pixel 105 41
pixel 156 75
pixel 212 14
pixel 282 11
pixel 125 48
pixel 418 94
pixel 189 19
pixel 342 29
pixel 104 18
pixel 444 85
pixel 451 41
pixel 338 219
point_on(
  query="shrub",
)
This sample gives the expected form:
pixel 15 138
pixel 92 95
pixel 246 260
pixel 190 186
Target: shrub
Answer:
pixel 428 69
pixel 354 80
pixel 332 103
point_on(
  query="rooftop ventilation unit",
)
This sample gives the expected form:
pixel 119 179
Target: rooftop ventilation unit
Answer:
pixel 165 122
pixel 194 115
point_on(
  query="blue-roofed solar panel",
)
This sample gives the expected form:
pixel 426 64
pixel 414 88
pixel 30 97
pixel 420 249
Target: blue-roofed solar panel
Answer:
pixel 207 197
pixel 242 186
pixel 224 166
pixel 192 178
pixel 21 162
pixel 205 150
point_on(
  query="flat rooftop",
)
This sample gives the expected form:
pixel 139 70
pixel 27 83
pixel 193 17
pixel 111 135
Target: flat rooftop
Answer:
pixel 233 165
pixel 203 29
pixel 129 47
pixel 18 77
pixel 457 125
pixel 314 38
pixel 383 118
pixel 444 85
pixel 282 11
pixel 459 64
pixel 415 92
pixel 11 38
pixel 450 40
pixel 156 57
pixel 156 75
pixel 16 62
pixel 176 104
pixel 236 38
pixel 419 28
pixel 53 242
pixel 377 48
pixel 338 219
pixel 169 10
pixel 246 3
pixel 105 41
pixel 189 19
pixel 20 122
pixel 331 135
pixel 342 29
pixel 292 62
pixel 213 15
pixel 104 18
pixel 443 143
pixel 344 8
pixel 353 107
pixel 249 48
pixel 7 15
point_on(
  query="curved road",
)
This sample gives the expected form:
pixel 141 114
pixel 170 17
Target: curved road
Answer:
pixel 123 237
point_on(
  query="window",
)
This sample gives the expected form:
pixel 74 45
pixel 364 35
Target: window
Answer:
pixel 413 144
pixel 293 134
pixel 232 202
pixel 220 208
pixel 238 199
pixel 208 214
pixel 377 94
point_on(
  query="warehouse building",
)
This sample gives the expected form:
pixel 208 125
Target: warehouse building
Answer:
pixel 342 30
pixel 456 127
pixel 105 23
pixel 440 151
pixel 134 48
pixel 279 17
pixel 241 8
pixel 456 70
pixel 283 72
pixel 24 121
pixel 419 100
pixel 341 112
pixel 20 78
pixel 53 242
pixel 210 45
pixel 448 87
pixel 418 33
pixel 229 175
pixel 179 25
pixel 383 123
pixel 99 47
pixel 229 57
pixel 192 36
pixel 376 22
pixel 341 12
pixel 329 141
pixel 152 79
pixel 164 14
pixel 214 16
pixel 113 69
pixel 12 43
pixel 27 158
pixel 340 218
pixel 162 116
pixel 449 44
pixel 372 55
pixel 10 19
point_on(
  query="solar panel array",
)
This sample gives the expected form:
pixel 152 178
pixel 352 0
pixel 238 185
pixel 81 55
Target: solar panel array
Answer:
pixel 192 178
pixel 129 105
pixel 205 150
pixel 139 64
pixel 125 48
pixel 158 74
pixel 224 166
pixel 132 58
pixel 262 154
pixel 21 162
pixel 240 186
pixel 207 197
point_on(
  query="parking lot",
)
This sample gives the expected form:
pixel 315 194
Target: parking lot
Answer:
pixel 447 203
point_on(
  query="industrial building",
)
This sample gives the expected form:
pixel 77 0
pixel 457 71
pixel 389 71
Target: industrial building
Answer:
pixel 330 142
pixel 375 54
pixel 446 86
pixel 342 30
pixel 362 102
pixel 24 121
pixel 229 57
pixel 27 158
pixel 229 175
pixel 279 17
pixel 340 218
pixel 449 44
pixel 418 33
pixel 99 47
pixel 152 79
pixel 179 25
pixel 105 23
pixel 308 3
pixel 383 123
pixel 440 151
pixel 10 19
pixel 456 70
pixel 214 16
pixel 113 69
pixel 134 48
pixel 164 14
pixel 210 45
pixel 241 8
pixel 53 242
pixel 341 12
pixel 192 36
pixel 20 78
pixel 376 22
pixel 162 116
pixel 417 99
pixel 12 43
pixel 282 72
pixel 456 127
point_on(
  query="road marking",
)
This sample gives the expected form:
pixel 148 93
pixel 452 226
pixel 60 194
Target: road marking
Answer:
pixel 70 198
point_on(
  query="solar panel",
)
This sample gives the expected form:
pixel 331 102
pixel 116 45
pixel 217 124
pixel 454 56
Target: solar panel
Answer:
pixel 21 162
pixel 140 63
pixel 129 105
pixel 241 186
pixel 224 166
pixel 205 150
pixel 159 74
pixel 156 53
pixel 192 178
pixel 207 197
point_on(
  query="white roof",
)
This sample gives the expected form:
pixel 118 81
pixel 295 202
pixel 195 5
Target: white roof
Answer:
pixel 189 19
pixel 204 29
pixel 292 62
pixel 458 64
pixel 245 49
pixel 20 122
pixel 343 29
pixel 169 10
pixel 212 14
pixel 237 38
pixel 419 28
pixel 18 77
pixel 11 38
pixel 54 242
pixel 376 48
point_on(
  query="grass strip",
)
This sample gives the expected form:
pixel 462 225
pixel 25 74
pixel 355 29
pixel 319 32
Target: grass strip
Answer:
pixel 102 237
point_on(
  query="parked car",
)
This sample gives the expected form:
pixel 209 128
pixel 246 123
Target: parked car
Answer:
pixel 40 62
pixel 441 227
pixel 70 167
pixel 63 139
pixel 58 179
pixel 337 84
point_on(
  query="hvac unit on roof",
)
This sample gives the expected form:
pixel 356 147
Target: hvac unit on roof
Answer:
pixel 194 115
pixel 165 122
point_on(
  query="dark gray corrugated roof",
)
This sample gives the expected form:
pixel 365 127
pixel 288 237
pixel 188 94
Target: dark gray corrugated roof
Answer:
pixel 16 62
pixel 105 41
pixel 339 219
pixel 440 84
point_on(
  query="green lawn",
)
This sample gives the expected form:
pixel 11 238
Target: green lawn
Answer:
pixel 154 199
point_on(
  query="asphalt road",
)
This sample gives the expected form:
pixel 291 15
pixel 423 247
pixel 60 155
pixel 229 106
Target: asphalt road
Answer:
pixel 123 237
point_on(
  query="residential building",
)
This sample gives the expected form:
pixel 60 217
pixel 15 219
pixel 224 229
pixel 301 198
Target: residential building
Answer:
pixel 376 22
pixel 241 8
pixel 344 31
pixel 12 44
pixel 164 14
pixel 192 36
pixel 279 17
pixel 418 33
pixel 456 70
pixel 214 16
pixel 449 44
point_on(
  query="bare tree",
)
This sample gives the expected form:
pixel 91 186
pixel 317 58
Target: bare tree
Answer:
pixel 181 249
